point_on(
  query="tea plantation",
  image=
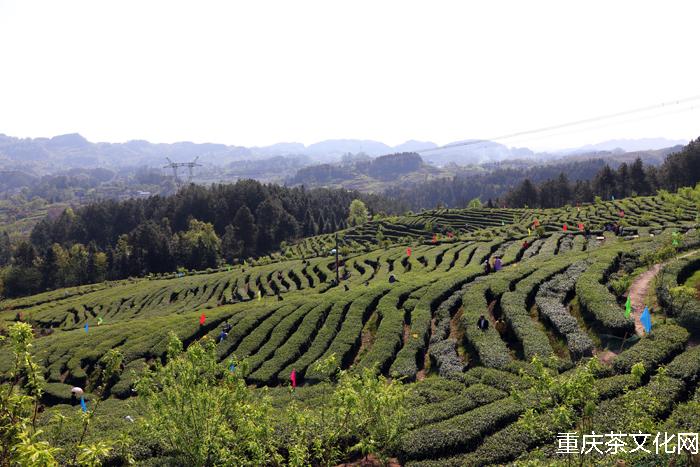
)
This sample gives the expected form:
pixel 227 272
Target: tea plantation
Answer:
pixel 411 291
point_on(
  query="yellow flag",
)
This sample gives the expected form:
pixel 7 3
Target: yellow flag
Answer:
pixel 259 295
pixel 528 232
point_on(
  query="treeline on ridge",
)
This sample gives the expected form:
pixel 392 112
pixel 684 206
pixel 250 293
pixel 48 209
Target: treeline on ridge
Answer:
pixel 678 170
pixel 386 167
pixel 199 227
pixel 492 183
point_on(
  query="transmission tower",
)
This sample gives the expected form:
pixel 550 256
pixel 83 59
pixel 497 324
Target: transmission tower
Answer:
pixel 176 165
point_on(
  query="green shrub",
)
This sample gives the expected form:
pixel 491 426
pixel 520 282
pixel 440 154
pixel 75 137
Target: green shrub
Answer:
pixel 660 346
pixel 640 408
pixel 597 300
pixel 459 433
pixel 686 366
pixel 467 399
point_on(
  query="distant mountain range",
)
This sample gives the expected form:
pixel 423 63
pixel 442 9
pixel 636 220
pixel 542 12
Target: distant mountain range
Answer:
pixel 73 150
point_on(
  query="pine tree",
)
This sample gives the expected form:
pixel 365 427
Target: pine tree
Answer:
pixel 246 231
pixel 5 249
pixel 638 179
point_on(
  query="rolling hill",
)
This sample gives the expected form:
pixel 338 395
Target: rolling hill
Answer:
pixel 558 297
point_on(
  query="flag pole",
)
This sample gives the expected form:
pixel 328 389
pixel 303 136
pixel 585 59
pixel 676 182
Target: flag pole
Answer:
pixel 337 269
pixel 624 339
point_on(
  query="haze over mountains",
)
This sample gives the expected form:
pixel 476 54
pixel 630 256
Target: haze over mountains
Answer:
pixel 73 150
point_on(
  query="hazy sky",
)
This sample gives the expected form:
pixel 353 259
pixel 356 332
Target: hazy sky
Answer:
pixel 260 72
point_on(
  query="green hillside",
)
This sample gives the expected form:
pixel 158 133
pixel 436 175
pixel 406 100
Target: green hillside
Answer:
pixel 561 298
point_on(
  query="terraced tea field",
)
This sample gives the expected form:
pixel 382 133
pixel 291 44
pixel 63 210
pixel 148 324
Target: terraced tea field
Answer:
pixel 557 295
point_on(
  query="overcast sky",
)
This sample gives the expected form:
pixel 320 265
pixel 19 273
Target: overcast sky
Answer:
pixel 260 72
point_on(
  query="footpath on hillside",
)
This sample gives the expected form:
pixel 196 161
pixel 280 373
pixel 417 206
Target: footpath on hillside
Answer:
pixel 640 288
pixel 638 293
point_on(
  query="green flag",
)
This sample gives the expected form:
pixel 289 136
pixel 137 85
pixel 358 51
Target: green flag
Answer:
pixel 628 307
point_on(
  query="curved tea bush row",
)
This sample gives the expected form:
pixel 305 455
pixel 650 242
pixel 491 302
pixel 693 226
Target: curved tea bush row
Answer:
pixel 389 336
pixel 489 346
pixel 660 346
pixel 686 366
pixel 279 335
pixel 460 433
pixel 347 340
pixel 515 439
pixel 687 313
pixel 596 299
pixel 656 398
pixel 292 347
pixel 550 302
pixel 467 399
pixel 321 341
pixel 261 334
pixel 408 360
pixel 515 306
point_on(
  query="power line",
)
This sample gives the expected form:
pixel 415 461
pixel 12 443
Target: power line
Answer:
pixel 597 127
pixel 569 124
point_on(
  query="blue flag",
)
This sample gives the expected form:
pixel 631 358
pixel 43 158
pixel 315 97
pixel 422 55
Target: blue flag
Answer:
pixel 86 327
pixel 231 367
pixel 83 405
pixel 645 319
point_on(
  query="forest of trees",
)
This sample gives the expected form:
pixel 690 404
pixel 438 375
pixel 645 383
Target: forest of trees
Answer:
pixel 678 170
pixel 203 227
pixel 388 167
pixel 493 184
pixel 199 227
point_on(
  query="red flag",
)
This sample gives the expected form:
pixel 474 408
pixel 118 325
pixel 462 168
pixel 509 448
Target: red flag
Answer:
pixel 434 238
pixel 293 377
pixel 580 226
pixel 202 319
pixel 450 235
pixel 408 251
pixel 536 223
pixel 564 227
pixel 622 213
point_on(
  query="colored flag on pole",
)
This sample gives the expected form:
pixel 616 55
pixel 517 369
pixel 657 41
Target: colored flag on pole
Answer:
pixel 622 213
pixel 536 223
pixel 259 295
pixel 293 377
pixel 231 367
pixel 645 319
pixel 529 232
pixel 86 327
pixel 408 251
pixel 83 405
pixel 434 238
pixel 564 227
pixel 99 320
pixel 503 222
pixel 202 319
pixel 580 225
pixel 450 235
pixel 628 307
